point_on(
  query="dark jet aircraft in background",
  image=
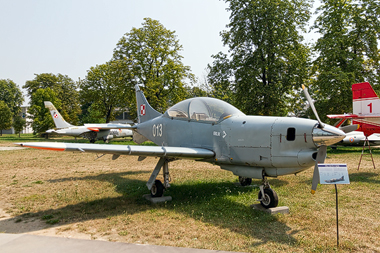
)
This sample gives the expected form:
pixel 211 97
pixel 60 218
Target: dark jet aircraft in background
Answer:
pixel 210 130
pixel 334 180
pixel 93 132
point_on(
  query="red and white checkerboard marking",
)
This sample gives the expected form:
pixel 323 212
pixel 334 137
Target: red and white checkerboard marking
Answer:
pixel 142 110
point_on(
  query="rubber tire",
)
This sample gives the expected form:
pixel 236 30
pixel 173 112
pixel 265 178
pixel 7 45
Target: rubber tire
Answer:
pixel 244 181
pixel 157 189
pixel 272 198
pixel 92 141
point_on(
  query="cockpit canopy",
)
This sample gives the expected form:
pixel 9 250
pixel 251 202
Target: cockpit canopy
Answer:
pixel 203 109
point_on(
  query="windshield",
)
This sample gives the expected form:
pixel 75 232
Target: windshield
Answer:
pixel 203 109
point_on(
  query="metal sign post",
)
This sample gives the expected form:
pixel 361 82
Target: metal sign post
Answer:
pixel 337 220
pixel 334 174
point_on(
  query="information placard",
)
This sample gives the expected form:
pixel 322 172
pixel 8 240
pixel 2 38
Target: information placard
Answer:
pixel 333 174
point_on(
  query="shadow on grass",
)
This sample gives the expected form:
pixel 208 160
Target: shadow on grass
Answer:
pixel 218 203
pixel 364 177
pixel 352 150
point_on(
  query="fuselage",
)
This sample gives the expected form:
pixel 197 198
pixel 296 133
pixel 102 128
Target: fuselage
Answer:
pixel 249 141
pixel 77 131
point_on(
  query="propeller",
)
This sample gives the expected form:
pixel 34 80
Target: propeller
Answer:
pixel 321 125
pixel 323 135
pixel 321 156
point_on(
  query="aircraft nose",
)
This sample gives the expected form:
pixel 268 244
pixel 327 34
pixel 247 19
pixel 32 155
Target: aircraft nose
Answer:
pixel 327 135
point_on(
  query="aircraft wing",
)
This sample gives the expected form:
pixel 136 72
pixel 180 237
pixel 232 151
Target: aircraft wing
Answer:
pixel 98 127
pixel 343 116
pixel 169 152
pixel 351 116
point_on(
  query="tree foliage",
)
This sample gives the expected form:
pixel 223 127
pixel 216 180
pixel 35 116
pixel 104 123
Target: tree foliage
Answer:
pixel 220 78
pixel 91 114
pixel 65 90
pixel 18 124
pixel 104 90
pixel 267 58
pixel 347 52
pixel 152 60
pixel 11 94
pixel 5 117
pixel 40 115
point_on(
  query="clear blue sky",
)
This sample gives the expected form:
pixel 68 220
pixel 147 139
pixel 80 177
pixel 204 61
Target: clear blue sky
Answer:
pixel 69 37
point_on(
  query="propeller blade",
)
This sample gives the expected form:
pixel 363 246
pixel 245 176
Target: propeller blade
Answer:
pixel 350 128
pixel 321 156
pixel 321 125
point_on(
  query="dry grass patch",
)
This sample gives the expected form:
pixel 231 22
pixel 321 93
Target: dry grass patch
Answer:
pixel 71 194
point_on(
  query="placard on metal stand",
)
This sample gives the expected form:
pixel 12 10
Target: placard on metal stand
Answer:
pixel 334 174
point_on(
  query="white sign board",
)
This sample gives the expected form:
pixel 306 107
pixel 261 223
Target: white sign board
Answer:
pixel 333 174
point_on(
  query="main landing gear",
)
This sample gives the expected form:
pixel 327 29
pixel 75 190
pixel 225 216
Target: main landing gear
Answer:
pixel 267 196
pixel 155 186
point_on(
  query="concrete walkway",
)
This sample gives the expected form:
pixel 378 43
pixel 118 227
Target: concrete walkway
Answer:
pixel 10 148
pixel 21 243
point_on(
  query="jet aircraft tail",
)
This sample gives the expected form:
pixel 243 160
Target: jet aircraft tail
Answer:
pixel 144 111
pixel 58 119
pixel 365 102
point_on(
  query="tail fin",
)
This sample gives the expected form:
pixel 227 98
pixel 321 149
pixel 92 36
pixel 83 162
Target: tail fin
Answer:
pixel 364 100
pixel 58 120
pixel 144 111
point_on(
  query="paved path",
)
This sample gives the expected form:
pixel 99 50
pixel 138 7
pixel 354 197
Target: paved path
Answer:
pixel 21 243
pixel 10 148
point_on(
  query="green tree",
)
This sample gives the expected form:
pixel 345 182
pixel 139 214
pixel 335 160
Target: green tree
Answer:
pixel 104 88
pixel 347 52
pixel 41 81
pixel 151 55
pixel 11 94
pixel 5 117
pixel 18 124
pixel 220 78
pixel 40 115
pixel 196 92
pixel 268 61
pixel 65 89
pixel 68 93
pixel 90 114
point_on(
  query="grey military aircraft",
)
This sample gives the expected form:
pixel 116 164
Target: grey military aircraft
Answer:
pixel 210 130
pixel 92 132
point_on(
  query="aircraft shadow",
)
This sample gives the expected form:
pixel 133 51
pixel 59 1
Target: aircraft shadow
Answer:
pixel 216 203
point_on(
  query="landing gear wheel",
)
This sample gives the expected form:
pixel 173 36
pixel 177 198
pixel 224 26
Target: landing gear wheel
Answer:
pixel 92 141
pixel 270 198
pixel 244 181
pixel 157 189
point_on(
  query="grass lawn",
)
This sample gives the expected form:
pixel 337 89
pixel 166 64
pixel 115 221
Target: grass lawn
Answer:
pixel 72 194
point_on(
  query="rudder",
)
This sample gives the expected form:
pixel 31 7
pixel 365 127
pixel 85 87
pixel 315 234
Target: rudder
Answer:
pixel 144 111
pixel 59 121
pixel 365 100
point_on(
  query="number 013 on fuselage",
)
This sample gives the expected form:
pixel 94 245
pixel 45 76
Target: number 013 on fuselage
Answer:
pixel 210 130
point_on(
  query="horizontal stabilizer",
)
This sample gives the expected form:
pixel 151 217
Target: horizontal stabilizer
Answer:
pixel 349 128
